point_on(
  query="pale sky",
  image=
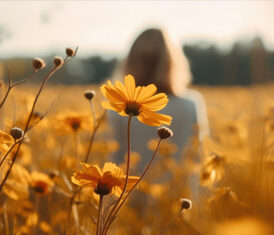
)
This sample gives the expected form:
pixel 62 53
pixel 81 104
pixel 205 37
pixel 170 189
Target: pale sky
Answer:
pixel 37 28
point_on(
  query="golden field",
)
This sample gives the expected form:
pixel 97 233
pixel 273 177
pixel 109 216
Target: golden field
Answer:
pixel 235 173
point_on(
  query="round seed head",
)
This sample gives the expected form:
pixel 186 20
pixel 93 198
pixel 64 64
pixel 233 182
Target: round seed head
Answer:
pixel 89 94
pixel 58 61
pixel 38 63
pixel 17 133
pixel 186 204
pixel 70 52
pixel 164 132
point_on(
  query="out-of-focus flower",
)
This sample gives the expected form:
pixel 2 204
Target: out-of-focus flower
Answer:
pixel 127 99
pixel 243 226
pixel 17 185
pixel 45 227
pixel 41 183
pixel 155 190
pixel 212 170
pixel 6 142
pixel 111 177
pixel 68 162
pixel 72 122
pixel 104 147
pixel 227 193
pixel 134 160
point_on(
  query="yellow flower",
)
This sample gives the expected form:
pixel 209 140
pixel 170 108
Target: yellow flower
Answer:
pixel 41 183
pixel 103 180
pixel 17 185
pixel 6 142
pixel 72 122
pixel 127 99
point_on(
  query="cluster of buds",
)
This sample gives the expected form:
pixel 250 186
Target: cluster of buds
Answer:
pixel 38 63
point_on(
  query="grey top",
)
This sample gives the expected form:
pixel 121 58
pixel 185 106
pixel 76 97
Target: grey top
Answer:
pixel 187 111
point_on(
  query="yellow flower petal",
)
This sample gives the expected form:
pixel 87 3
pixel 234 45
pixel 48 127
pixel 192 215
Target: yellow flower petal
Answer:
pixel 130 86
pixel 154 119
pixel 146 92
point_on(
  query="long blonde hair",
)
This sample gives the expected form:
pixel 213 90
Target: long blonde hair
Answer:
pixel 152 59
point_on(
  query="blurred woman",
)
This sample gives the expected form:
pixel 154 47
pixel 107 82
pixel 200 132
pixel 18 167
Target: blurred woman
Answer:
pixel 153 60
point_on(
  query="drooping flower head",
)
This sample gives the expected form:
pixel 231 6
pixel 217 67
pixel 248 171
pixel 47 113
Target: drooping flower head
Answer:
pixel 141 101
pixel 102 180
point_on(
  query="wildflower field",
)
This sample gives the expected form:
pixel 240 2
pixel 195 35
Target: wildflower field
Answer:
pixel 57 175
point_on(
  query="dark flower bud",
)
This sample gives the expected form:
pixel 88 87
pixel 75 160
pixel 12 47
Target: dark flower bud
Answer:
pixel 58 61
pixel 164 132
pixel 186 204
pixel 38 63
pixel 70 52
pixel 89 94
pixel 17 133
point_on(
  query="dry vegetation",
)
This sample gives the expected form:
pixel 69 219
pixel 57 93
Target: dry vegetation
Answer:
pixel 234 181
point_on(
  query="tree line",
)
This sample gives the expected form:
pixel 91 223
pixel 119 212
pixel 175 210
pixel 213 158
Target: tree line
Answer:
pixel 243 64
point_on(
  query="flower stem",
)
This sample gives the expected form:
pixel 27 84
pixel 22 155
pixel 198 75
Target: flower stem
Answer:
pixel 98 228
pixel 7 153
pixel 106 226
pixel 93 134
pixel 11 85
pixel 136 184
pixel 47 77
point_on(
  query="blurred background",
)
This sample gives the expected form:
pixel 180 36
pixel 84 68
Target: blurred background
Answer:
pixel 226 42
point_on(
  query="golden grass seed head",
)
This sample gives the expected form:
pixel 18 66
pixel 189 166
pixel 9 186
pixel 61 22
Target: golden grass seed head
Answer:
pixel 164 132
pixel 185 204
pixel 17 133
pixel 89 94
pixel 38 63
pixel 70 52
pixel 58 61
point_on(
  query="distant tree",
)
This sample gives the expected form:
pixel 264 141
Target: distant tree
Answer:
pixel 98 69
pixel 206 64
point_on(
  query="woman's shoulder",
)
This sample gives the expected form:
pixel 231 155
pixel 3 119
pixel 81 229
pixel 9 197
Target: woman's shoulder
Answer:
pixel 190 98
pixel 193 95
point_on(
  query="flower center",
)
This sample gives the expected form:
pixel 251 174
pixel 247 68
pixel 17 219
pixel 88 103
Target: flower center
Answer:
pixel 132 108
pixel 40 187
pixel 75 125
pixel 102 188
